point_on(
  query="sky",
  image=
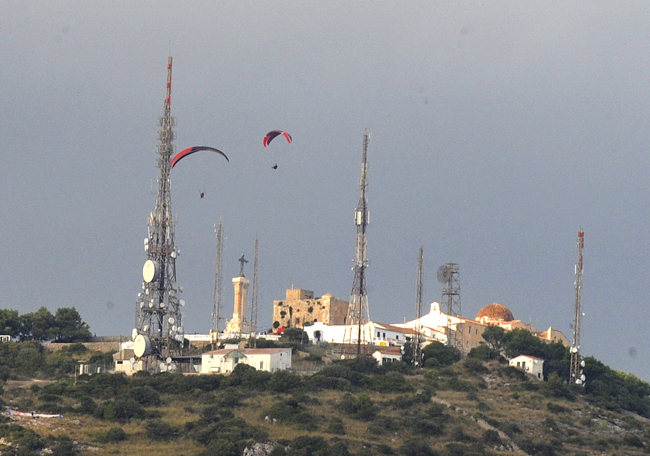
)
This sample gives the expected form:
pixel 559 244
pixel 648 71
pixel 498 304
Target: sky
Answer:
pixel 498 131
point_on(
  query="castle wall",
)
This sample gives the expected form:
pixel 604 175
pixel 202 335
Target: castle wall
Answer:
pixel 301 307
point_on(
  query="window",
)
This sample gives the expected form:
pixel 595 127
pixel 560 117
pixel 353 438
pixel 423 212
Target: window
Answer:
pixel 396 337
pixel 384 335
pixel 378 334
pixel 261 365
pixel 236 360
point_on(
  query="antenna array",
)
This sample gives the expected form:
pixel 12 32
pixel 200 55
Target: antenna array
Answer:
pixel 576 373
pixel 449 276
pixel 355 339
pixel 417 344
pixel 216 309
pixel 158 331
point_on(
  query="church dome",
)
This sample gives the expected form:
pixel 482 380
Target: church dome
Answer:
pixel 495 312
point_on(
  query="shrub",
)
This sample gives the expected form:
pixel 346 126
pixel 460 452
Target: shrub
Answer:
pixel 557 408
pixel 475 366
pixel 336 427
pixel 284 382
pixel 159 430
pixel 113 435
pixel 392 382
pixel 361 408
pixel 417 447
pixel 491 437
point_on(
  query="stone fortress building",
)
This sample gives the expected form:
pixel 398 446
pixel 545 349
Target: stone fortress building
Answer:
pixel 301 308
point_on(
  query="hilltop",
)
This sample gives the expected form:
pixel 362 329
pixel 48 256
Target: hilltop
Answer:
pixel 453 407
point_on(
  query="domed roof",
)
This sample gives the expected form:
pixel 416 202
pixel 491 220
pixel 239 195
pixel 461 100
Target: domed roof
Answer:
pixel 495 311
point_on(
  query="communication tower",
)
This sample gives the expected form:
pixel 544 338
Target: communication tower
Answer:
pixel 417 343
pixel 355 339
pixel 576 374
pixel 216 310
pixel 449 276
pixel 158 332
pixel 254 289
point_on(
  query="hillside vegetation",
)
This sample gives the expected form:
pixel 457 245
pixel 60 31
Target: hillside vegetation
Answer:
pixel 452 407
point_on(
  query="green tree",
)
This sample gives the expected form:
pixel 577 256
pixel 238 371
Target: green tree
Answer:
pixel 295 335
pixel 522 342
pixel 444 355
pixel 10 322
pixel 69 327
pixel 37 325
pixel 495 337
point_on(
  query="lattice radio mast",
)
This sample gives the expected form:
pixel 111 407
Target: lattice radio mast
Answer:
pixel 576 373
pixel 417 343
pixel 216 310
pixel 358 311
pixel 159 321
pixel 254 289
pixel 449 276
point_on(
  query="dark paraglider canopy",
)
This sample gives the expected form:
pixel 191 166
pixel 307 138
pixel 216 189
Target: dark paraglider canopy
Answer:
pixel 274 133
pixel 190 150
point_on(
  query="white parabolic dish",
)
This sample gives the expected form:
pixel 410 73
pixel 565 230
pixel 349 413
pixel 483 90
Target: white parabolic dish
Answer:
pixel 141 346
pixel 149 271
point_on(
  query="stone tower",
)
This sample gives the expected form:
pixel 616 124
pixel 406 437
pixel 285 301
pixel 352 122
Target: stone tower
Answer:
pixel 239 324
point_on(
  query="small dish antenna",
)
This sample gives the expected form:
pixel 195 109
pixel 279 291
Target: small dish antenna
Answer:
pixel 444 274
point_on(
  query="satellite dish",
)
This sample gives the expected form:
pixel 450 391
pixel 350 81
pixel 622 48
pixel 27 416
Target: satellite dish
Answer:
pixel 171 320
pixel 182 302
pixel 174 328
pixel 163 367
pixel 173 254
pixel 132 361
pixel 169 360
pixel 582 363
pixel 150 271
pixel 444 274
pixel 141 346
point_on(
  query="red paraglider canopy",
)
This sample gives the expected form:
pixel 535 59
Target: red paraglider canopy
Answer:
pixel 190 150
pixel 274 133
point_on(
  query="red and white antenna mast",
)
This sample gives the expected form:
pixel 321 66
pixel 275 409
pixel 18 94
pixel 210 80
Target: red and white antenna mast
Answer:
pixel 159 332
pixel 577 364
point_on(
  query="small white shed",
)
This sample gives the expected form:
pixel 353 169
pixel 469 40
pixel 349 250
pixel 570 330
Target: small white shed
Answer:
pixel 387 355
pixel 529 364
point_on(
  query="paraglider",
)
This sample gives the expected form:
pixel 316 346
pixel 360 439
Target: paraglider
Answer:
pixel 275 166
pixel 190 150
pixel 273 134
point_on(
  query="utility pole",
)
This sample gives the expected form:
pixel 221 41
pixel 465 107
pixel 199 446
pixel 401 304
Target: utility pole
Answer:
pixel 576 374
pixel 358 311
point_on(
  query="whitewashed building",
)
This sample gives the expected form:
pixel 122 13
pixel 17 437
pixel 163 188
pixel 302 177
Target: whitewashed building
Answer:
pixel 379 334
pixel 224 361
pixel 529 364
pixel 387 355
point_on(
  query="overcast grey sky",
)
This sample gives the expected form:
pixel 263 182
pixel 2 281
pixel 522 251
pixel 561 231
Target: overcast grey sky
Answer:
pixel 499 130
